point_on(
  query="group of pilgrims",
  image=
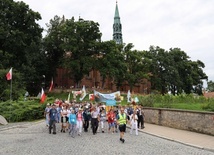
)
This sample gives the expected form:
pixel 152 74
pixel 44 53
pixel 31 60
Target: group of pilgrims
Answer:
pixel 76 117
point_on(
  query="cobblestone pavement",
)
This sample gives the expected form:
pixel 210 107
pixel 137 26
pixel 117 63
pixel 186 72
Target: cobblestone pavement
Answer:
pixel 34 139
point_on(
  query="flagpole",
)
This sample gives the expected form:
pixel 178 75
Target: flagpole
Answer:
pixel 11 90
pixel 10 99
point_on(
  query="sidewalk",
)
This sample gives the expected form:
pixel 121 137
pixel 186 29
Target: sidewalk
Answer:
pixel 194 139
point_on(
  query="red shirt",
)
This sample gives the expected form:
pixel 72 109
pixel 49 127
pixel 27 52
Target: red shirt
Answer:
pixel 111 117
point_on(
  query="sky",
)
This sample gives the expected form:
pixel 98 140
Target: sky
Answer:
pixel 184 24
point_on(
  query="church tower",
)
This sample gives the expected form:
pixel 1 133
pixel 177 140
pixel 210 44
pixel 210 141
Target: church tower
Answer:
pixel 117 27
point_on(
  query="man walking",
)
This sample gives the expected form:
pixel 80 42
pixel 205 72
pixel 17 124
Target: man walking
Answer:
pixel 121 121
pixel 52 119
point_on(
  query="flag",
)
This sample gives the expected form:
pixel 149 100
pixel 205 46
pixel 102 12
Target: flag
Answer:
pixel 51 86
pixel 91 97
pixel 9 75
pixel 43 96
pixel 128 96
pixel 136 99
pixel 83 93
pixel 69 96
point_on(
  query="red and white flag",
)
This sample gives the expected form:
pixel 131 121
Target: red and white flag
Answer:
pixel 9 75
pixel 51 86
pixel 43 96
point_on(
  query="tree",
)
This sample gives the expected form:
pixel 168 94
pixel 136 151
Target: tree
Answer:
pixel 20 40
pixel 52 45
pixel 173 71
pixel 110 62
pixel 82 39
pixel 210 86
pixel 159 68
pixel 136 66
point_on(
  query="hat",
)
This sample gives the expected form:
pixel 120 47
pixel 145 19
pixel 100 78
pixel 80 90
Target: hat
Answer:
pixel 80 109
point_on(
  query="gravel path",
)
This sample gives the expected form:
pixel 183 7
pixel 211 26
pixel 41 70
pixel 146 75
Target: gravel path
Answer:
pixel 34 139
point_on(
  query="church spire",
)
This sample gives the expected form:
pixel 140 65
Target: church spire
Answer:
pixel 117 27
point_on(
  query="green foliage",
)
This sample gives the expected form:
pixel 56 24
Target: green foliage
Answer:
pixel 22 110
pixel 18 88
pixel 173 71
pixel 208 105
pixel 210 85
pixel 183 101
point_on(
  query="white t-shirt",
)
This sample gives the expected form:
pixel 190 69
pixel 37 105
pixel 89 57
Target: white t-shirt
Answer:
pixel 133 118
pixel 68 112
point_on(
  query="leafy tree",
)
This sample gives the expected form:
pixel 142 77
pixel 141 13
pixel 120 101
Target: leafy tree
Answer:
pixel 136 66
pixel 52 45
pixel 173 71
pixel 159 68
pixel 110 62
pixel 20 40
pixel 210 86
pixel 82 39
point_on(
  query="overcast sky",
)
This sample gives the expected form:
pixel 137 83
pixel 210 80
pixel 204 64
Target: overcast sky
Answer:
pixel 186 24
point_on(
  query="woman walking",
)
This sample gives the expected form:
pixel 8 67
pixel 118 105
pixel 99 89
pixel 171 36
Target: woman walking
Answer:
pixel 133 119
pixel 79 121
pixel 73 122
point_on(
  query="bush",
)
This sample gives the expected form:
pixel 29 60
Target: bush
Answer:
pixel 22 111
pixel 208 106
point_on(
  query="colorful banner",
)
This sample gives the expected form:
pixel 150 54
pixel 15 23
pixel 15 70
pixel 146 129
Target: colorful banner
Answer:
pixel 99 97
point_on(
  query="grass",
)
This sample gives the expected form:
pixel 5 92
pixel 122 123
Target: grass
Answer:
pixel 185 106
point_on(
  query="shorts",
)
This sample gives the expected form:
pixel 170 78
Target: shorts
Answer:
pixel 122 127
pixel 111 125
pixel 66 119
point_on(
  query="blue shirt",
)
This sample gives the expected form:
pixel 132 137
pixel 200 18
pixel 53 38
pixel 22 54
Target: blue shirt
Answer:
pixel 72 119
pixel 53 114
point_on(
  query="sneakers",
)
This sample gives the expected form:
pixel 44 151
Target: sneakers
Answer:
pixel 102 131
pixel 54 133
pixel 122 140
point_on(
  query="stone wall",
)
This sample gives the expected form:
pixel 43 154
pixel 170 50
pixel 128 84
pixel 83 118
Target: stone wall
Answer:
pixel 202 122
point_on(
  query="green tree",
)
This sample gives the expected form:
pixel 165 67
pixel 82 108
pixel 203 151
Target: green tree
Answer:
pixel 82 39
pixel 159 68
pixel 20 40
pixel 210 86
pixel 52 45
pixel 173 71
pixel 110 62
pixel 136 66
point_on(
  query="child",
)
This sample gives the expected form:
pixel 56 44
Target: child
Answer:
pixel 72 121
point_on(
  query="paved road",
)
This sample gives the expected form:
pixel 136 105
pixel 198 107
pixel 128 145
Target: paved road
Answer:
pixel 34 139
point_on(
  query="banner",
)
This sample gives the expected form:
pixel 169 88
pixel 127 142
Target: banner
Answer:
pixel 110 102
pixel 99 97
